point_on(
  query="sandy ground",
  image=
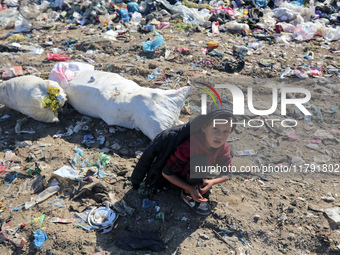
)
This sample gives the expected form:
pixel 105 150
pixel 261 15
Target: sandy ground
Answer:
pixel 272 213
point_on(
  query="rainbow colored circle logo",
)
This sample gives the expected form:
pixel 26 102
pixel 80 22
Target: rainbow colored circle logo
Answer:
pixel 209 93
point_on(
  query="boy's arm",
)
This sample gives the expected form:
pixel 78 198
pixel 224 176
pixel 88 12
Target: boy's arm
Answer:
pixel 188 188
pixel 209 183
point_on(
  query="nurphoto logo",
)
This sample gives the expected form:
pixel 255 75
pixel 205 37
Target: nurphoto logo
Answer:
pixel 238 104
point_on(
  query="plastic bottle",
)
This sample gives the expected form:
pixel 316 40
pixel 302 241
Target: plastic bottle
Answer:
pixel 214 28
pixel 154 74
pixel 255 46
pixel 47 193
pixel 42 196
pixel 240 49
pixel 149 28
pixel 285 73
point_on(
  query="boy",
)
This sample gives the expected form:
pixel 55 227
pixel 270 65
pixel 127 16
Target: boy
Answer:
pixel 204 148
pixel 196 144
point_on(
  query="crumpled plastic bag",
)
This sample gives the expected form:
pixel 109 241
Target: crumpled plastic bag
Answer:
pixel 330 34
pixel 304 32
pixel 151 46
pixel 39 238
pixel 190 15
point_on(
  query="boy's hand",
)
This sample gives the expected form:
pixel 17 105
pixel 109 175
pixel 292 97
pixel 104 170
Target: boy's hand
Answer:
pixel 206 186
pixel 196 195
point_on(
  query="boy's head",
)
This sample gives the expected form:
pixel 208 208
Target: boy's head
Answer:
pixel 223 112
pixel 217 131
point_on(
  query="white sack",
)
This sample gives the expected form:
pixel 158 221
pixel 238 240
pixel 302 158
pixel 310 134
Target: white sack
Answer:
pixel 122 102
pixel 26 94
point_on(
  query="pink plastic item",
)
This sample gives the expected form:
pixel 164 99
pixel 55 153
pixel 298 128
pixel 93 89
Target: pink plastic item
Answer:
pixel 57 57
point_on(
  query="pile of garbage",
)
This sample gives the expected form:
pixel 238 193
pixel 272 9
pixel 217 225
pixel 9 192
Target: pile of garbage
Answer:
pixel 260 22
pixel 132 86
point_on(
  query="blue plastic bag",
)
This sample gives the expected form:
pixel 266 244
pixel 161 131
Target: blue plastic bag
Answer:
pixel 261 3
pixel 151 46
pixel 124 15
pixel 147 203
pixel 132 7
pixel 39 238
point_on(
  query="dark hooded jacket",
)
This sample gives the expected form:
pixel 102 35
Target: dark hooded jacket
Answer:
pixel 156 155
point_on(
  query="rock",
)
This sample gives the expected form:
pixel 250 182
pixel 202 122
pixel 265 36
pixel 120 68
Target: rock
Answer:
pixel 203 236
pixel 294 203
pixel 333 214
pixel 124 151
pixel 291 209
pixel 211 223
pixel 170 233
pixel 256 218
pixel 122 173
pixel 116 146
pixel 220 214
pixel 328 199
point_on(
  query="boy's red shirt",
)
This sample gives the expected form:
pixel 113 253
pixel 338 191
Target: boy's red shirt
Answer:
pixel 179 162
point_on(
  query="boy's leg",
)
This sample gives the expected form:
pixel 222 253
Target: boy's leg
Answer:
pixel 200 208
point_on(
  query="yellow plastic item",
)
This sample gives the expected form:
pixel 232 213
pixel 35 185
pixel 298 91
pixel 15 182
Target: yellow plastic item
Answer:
pixel 227 2
pixel 190 4
pixel 51 99
pixel 195 5
pixel 16 38
pixel 212 45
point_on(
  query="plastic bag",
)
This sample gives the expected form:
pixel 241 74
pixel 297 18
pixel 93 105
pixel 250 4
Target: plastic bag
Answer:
pixel 68 172
pixel 22 25
pixel 305 12
pixel 39 238
pixel 235 26
pixel 122 102
pixel 30 10
pixel 136 18
pixel 124 15
pixel 286 27
pixel 110 35
pixel 56 3
pixel 132 7
pixel 303 32
pixel 151 46
pixel 330 34
pixel 284 14
pixel 63 73
pixel 260 3
pixel 8 17
pixel 189 14
pixel 268 20
pixel 34 97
